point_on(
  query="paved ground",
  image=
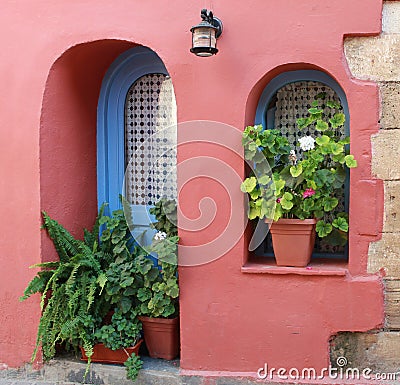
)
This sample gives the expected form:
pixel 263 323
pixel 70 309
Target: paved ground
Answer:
pixel 69 371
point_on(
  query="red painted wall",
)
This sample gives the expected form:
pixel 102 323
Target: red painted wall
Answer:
pixel 231 321
pixel 68 136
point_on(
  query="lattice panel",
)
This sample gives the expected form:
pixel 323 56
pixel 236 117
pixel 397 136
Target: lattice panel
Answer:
pixel 293 102
pixel 150 140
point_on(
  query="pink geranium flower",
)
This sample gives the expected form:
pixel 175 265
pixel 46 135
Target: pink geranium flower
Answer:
pixel 308 193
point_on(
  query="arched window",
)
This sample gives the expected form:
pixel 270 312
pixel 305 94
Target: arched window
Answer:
pixel 284 100
pixel 136 136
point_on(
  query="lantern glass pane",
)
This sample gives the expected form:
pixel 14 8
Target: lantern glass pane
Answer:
pixel 204 37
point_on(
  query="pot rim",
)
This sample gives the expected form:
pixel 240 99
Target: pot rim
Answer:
pixel 158 319
pixel 292 221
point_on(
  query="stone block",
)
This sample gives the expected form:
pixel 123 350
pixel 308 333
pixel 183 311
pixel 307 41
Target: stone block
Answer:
pixel 391 221
pixel 374 58
pixel 390 96
pixel 386 154
pixel 392 304
pixel 378 351
pixel 391 17
pixel 385 254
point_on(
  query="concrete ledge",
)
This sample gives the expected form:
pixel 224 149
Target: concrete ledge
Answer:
pixel 70 371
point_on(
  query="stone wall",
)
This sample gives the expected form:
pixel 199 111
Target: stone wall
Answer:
pixel 378 59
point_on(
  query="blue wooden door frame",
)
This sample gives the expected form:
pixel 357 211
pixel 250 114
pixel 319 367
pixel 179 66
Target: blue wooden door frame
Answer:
pixel 123 72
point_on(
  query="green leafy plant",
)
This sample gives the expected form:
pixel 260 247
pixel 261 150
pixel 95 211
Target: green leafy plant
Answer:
pixel 160 290
pixel 133 365
pixel 122 278
pixel 166 217
pixel 123 331
pixel 92 277
pixel 306 184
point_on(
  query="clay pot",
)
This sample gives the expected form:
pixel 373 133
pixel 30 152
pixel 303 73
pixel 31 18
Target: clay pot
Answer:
pixel 293 241
pixel 161 336
pixel 103 354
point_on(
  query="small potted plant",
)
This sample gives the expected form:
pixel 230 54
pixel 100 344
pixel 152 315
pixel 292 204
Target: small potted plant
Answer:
pixel 118 339
pixel 299 190
pixel 160 291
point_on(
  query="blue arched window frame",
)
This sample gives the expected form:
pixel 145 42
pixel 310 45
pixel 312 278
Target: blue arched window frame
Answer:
pixel 267 119
pixel 297 76
pixel 123 72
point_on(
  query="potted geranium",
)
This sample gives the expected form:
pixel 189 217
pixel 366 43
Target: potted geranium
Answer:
pixel 295 188
pixel 160 291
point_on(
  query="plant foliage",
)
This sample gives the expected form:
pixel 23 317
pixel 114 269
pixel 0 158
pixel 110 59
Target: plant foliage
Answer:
pixel 92 277
pixel 285 184
pixel 159 292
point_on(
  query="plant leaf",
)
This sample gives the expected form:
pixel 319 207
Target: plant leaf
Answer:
pixel 296 170
pixel 333 104
pixel 323 140
pixel 350 161
pixel 337 120
pixel 249 184
pixel 286 201
pixel 314 111
pixel 321 125
pixel 341 224
pixel 265 179
pixel 323 229
pixel 330 203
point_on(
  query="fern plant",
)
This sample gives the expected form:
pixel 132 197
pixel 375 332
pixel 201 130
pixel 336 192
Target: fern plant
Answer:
pixel 92 277
pixel 72 298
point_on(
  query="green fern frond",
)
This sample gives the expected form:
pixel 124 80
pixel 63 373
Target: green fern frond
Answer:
pixel 102 280
pixel 92 237
pixel 46 265
pixel 64 243
pixel 90 295
pixel 37 285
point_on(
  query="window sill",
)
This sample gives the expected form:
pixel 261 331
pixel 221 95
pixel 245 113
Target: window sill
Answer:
pixel 262 265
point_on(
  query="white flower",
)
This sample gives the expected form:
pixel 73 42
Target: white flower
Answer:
pixel 160 235
pixel 307 143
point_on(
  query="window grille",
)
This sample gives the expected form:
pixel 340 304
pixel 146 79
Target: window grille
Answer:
pixel 150 140
pixel 293 102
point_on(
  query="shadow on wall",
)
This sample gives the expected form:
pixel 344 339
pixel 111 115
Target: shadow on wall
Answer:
pixel 68 175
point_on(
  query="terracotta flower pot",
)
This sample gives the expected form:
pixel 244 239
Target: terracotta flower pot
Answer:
pixel 293 241
pixel 103 354
pixel 161 336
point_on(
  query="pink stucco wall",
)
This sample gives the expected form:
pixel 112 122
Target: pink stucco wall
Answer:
pixel 56 55
pixel 68 136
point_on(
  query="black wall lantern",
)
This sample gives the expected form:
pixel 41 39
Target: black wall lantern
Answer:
pixel 205 35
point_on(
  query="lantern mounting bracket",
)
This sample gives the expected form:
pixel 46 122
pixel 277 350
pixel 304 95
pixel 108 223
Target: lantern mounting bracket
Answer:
pixel 208 16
